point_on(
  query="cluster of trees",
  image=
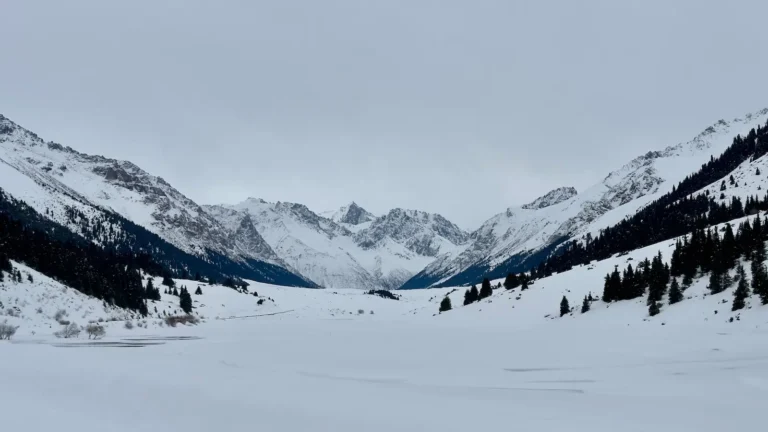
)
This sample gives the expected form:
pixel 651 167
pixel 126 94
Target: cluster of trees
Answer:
pixel 53 250
pixel 672 215
pixel 472 295
pixel 702 252
pixel 513 281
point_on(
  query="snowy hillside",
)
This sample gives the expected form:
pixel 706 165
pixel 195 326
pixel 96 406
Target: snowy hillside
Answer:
pixel 522 236
pixel 378 253
pixel 80 191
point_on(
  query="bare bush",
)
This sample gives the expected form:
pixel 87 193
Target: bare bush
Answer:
pixel 59 317
pixel 7 331
pixel 95 331
pixel 172 320
pixel 128 325
pixel 72 330
pixel 12 312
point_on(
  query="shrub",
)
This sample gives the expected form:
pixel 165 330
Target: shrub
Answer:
pixel 59 316
pixel 360 312
pixel 11 312
pixel 7 331
pixel 128 325
pixel 95 331
pixel 172 320
pixel 72 330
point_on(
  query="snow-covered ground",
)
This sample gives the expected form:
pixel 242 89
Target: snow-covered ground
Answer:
pixel 319 360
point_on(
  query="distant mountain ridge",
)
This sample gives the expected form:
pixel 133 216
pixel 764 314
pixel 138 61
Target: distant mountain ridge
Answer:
pixel 350 247
pixel 521 237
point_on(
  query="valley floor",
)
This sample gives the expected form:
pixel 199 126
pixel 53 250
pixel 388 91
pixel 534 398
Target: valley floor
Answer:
pixel 392 372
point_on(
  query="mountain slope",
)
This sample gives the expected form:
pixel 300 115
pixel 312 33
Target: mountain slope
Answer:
pixel 522 237
pixel 359 253
pixel 96 197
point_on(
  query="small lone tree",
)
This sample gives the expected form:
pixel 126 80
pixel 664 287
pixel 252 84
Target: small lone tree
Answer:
pixel 742 290
pixel 675 295
pixel 565 308
pixel 70 330
pixel 198 291
pixel 445 305
pixel 584 305
pixel 29 278
pixel 524 282
pixel 185 301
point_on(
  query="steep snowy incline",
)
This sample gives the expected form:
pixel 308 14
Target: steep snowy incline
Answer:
pixel 379 253
pixel 522 236
pixel 75 189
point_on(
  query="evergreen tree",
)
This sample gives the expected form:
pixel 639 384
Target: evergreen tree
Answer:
pixel 485 289
pixel 29 278
pixel 445 305
pixel 474 294
pixel 524 282
pixel 715 282
pixel 757 171
pixel 565 308
pixel 185 301
pixel 759 275
pixel 653 309
pixel 742 290
pixel 198 291
pixel 167 281
pixel 675 295
pixel 175 292
pixel 687 281
pixel 584 305
pixel 197 277
pixel 511 281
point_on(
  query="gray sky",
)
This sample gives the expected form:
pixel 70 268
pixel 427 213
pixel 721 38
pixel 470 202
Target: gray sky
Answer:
pixel 458 107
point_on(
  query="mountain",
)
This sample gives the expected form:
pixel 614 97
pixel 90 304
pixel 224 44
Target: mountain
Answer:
pixel 349 248
pixel 522 237
pixel 107 201
pixel 351 214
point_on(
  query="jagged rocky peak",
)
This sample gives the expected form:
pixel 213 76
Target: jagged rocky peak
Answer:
pixel 555 196
pixel 353 214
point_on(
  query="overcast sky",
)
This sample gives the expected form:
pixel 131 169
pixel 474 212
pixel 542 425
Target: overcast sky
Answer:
pixel 459 107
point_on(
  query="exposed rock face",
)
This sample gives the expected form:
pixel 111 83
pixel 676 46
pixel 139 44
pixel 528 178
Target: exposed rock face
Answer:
pixel 555 196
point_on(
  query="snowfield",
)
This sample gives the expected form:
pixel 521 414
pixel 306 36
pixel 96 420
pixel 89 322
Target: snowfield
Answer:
pixel 319 360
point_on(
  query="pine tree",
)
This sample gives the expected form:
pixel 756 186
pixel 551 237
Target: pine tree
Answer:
pixel 653 309
pixel 474 295
pixel 511 281
pixel 524 282
pixel 565 308
pixel 185 300
pixel 485 289
pixel 175 292
pixel 757 171
pixel 29 278
pixel 445 305
pixel 687 281
pixel 585 305
pixel 742 290
pixel 197 277
pixel 167 281
pixel 675 295
pixel 715 282
pixel 198 291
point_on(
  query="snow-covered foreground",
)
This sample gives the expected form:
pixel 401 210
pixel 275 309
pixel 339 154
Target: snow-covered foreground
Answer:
pixel 371 373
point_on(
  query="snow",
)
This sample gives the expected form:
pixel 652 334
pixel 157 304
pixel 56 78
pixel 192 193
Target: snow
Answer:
pixel 306 360
pixel 621 194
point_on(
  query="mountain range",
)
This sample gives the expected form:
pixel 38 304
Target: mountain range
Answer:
pixel 289 244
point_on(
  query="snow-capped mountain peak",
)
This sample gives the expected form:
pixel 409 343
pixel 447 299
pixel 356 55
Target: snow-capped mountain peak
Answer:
pixel 350 214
